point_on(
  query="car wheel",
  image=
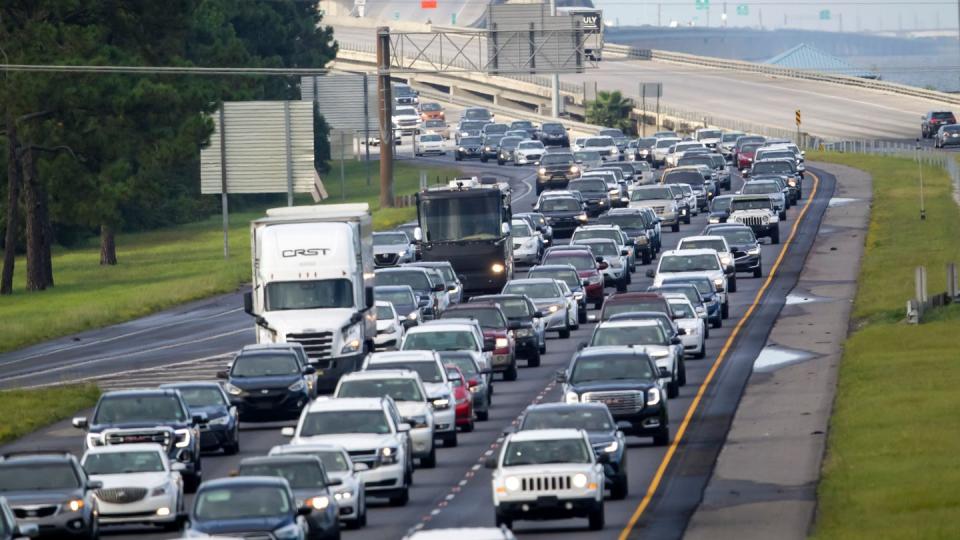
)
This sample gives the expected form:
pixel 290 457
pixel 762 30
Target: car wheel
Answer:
pixel 191 483
pixel 402 499
pixel 598 304
pixel 622 285
pixel 783 215
pixel 596 519
pixel 717 323
pixel 484 160
pixel 758 271
pixel 725 310
pixel 675 227
pixel 483 416
pixel 502 521
pixel 686 220
pixel 430 461
pixel 682 379
pixel 499 161
pixel 662 437
pixel 673 389
pixel 703 349
pixel 565 333
pixel 732 283
pixel 231 448
pixel 468 427
pixel 582 315
pixel 450 440
pixel 511 373
pixel 457 157
pixel 775 236
pixel 620 488
pixel 645 258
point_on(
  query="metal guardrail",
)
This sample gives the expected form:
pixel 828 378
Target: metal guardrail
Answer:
pixel 776 71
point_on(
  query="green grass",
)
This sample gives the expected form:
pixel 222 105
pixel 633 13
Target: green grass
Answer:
pixel 892 465
pixel 163 268
pixel 34 409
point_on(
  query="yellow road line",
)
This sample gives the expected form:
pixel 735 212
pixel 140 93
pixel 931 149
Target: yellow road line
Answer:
pixel 671 451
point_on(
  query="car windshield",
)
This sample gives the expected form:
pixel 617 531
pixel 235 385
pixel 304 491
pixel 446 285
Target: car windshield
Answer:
pixel 397 298
pixel 788 154
pixel 317 294
pixel 587 157
pixel 737 236
pixel 531 145
pixel 709 134
pixel 35 477
pixel 435 124
pixel 431 138
pixel 547 451
pixel 772 167
pixel 416 279
pixel 440 340
pixel 589 234
pixel 487 317
pixel 465 364
pixel 588 186
pixel 942 115
pixel 560 205
pixel 624 221
pixel 622 336
pixel 757 188
pixel 265 365
pixel 696 159
pixel 476 114
pixel 607 369
pixel 689 263
pixel 384 313
pixel 570 277
pixel 611 133
pixel 521 124
pixel 749 148
pixel 333 460
pixel 387 239
pixel 585 418
pixel 520 229
pixel 533 290
pixel 340 422
pixel 428 371
pixel 731 137
pixel 406 111
pixel 749 140
pixel 693 178
pixel 135 409
pixel 666 143
pixel 515 308
pixel 552 128
pixel 476 217
pixel 604 249
pixel 398 389
pixel 611 309
pixel 202 396
pixel 430 107
pixel 510 143
pixel 244 502
pixel 123 463
pixel 579 261
pixel 704 285
pixel 649 142
pixel 491 129
pixel 720 204
pixel 599 142
pixel 715 244
pixel 472 126
pixel 651 194
pixel 751 204
pixel 471 141
pixel 557 159
pixel 303 475
pixel 682 310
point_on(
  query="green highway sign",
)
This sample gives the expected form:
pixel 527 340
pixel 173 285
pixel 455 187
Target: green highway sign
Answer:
pixel 702 4
pixel 743 10
pixel 824 14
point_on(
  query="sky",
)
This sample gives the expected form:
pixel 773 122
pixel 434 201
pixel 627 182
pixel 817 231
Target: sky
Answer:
pixel 845 15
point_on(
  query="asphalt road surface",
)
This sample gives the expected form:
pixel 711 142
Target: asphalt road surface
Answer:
pixel 665 482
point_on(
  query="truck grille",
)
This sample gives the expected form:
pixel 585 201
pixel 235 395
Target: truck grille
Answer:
pixel 753 221
pixel 387 259
pixel 604 152
pixel 659 210
pixel 123 495
pixel 163 438
pixel 533 157
pixel 26 512
pixel 317 344
pixel 617 402
pixel 364 456
pixel 546 483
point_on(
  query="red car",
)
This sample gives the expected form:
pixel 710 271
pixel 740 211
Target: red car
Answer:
pixel 745 157
pixel 586 265
pixel 461 398
pixel 495 326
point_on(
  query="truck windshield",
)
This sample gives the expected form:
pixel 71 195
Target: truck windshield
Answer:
pixel 450 219
pixel 750 204
pixel 319 294
pixel 547 451
pixel 130 409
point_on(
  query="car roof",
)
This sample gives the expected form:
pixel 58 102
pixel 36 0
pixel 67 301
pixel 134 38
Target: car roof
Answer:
pixel 442 325
pixel 625 324
pixel 462 533
pixel 702 237
pixel 346 404
pixel 40 457
pixel 401 269
pixel 688 252
pixel 241 481
pixel 191 384
pixel 279 458
pixel 532 281
pixel 122 448
pixel 633 296
pixel 392 287
pixel 544 267
pixel 613 351
pixel 381 374
pixel 565 406
pixel 546 435
pixel 402 356
pixel 596 226
pixel 134 392
pixel 284 449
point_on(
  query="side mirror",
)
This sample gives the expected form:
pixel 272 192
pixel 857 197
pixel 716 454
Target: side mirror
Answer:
pixel 538 315
pixel 490 462
pixel 94 484
pixel 624 253
pixel 200 419
pixel 664 373
pixel 681 331
pixel 439 287
pixel 80 422
pixel 504 229
pixel 514 325
pixel 368 297
pixel 418 234
pixel 460 278
pixel 624 425
pixel 603 458
pixel 309 370
pixel 675 341
pixel 536 164
pixel 651 273
pixel 403 427
pixel 360 467
pixel 334 481
pixel 288 431
pixel 582 345
pixel 451 287
pixel 178 466
pixel 489 344
pixel 248 302
pixel 223 374
pixel 599 259
pixel 561 376
pixel 304 511
pixel 26 530
pixel 603 266
pixel 584 282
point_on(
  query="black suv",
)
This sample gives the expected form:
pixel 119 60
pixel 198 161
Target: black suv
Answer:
pixel 627 381
pixel 602 430
pixel 743 243
pixel 595 194
pixel 638 226
pixel 556 170
pixel 50 492
pixel 469 147
pixel 268 385
pixel 930 123
pixel 564 214
pixel 519 309
pixel 148 416
pixel 553 134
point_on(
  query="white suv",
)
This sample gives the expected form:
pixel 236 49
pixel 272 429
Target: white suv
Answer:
pixel 407 391
pixel 605 146
pixel 429 366
pixel 372 432
pixel 548 474
pixel 692 262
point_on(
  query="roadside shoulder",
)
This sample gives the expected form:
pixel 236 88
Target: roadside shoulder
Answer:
pixel 765 479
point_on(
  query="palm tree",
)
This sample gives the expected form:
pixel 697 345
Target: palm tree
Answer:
pixel 610 109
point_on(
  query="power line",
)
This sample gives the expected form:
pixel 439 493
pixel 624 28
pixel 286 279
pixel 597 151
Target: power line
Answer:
pixel 162 70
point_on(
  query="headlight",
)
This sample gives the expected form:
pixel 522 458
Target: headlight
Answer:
pixel 440 404
pixel 319 503
pixel 612 447
pixel 488 149
pixel 582 217
pixel 602 202
pixel 578 295
pixel 524 332
pixel 183 437
pixel 719 283
pixel 579 480
pixel 94 439
pixel 412 316
pixel 542 170
pixel 512 483
pixel 725 259
pixel 351 340
pixel 501 343
pixel 754 251
pixel 713 219
pixel 344 495
pixel 74 505
pixel 417 421
pixel 388 455
pixel 497 268
pixel 574 169
pixel 289 532
pixel 642 240
pixel 233 390
pixel 219 421
pixel 158 491
pixel 659 354
pixel 653 396
pixel 683 211
pixel 460 149
pixel 572 397
pixel 554 308
pixel 297 386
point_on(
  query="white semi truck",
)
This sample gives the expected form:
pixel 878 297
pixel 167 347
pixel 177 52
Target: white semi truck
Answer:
pixel 313 284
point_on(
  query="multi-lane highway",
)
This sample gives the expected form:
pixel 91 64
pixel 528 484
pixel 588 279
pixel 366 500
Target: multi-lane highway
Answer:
pixel 665 482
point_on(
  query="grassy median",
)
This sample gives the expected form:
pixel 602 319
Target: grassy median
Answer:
pixel 163 268
pixel 24 411
pixel 891 468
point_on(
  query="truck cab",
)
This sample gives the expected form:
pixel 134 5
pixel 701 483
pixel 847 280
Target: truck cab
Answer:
pixel 313 284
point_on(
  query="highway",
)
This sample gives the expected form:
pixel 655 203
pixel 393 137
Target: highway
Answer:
pixel 830 111
pixel 192 341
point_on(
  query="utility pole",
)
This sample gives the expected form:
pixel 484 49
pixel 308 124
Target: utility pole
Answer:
pixel 555 79
pixel 386 117
pixel 923 209
pixel 958 24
